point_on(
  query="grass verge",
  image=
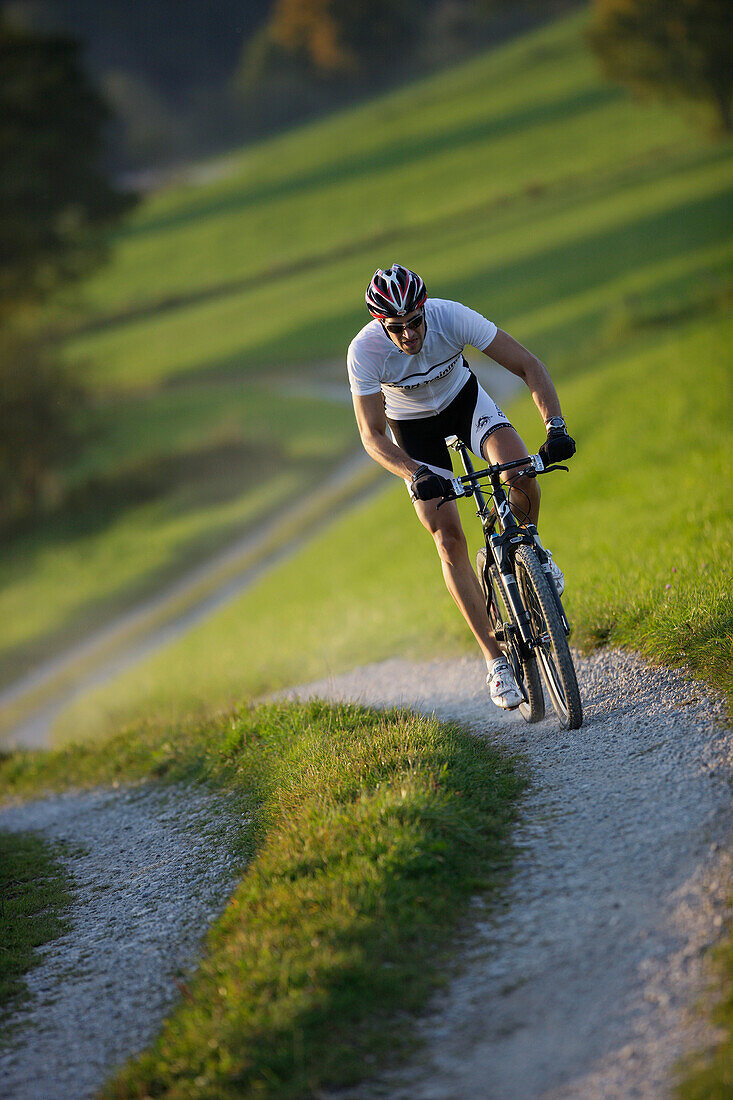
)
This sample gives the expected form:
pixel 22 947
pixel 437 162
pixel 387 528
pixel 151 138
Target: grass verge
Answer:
pixel 709 1075
pixel 369 834
pixel 34 892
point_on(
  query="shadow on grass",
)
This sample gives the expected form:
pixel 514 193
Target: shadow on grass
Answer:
pixel 503 289
pixel 180 483
pixel 539 278
pixel 210 475
pixel 393 155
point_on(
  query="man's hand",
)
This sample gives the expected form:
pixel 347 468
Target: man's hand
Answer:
pixel 427 485
pixel 559 444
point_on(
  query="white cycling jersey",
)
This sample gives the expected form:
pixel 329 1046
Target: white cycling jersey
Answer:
pixel 424 384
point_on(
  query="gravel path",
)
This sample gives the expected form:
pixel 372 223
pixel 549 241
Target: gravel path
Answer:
pixel 582 987
pixel 151 870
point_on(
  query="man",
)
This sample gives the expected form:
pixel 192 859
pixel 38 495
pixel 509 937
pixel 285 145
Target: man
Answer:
pixel 412 387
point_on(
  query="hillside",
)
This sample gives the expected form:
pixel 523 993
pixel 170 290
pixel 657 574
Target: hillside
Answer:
pixel 598 231
pixel 585 224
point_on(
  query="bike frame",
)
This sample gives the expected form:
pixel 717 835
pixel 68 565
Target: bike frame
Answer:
pixel 502 544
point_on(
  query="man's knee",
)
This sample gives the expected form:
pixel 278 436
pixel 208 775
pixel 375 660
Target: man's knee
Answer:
pixel 526 485
pixel 450 542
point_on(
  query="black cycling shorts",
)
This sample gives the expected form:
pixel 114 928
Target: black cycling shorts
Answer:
pixel 472 415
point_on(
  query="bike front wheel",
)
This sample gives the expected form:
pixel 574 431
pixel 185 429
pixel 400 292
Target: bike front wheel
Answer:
pixel 553 652
pixel 524 668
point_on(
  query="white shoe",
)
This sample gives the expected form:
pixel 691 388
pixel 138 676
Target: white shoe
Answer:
pixel 556 573
pixel 502 685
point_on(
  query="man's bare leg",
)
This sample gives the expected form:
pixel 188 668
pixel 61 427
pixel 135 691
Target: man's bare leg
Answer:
pixel 445 526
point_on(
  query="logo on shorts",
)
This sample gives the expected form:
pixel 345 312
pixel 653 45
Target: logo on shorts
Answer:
pixel 482 421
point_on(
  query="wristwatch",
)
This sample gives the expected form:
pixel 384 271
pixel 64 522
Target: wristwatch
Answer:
pixel 554 422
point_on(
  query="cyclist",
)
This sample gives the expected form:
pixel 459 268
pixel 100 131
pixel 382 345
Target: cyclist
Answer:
pixel 411 387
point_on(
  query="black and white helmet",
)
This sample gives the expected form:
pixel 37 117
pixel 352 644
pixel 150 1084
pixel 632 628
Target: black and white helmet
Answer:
pixel 394 292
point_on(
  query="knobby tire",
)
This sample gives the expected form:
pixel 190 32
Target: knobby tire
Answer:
pixel 525 670
pixel 553 656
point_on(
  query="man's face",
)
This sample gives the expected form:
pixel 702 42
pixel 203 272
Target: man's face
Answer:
pixel 408 333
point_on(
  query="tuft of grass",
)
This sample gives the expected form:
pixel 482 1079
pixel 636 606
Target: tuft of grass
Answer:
pixel 369 835
pixel 35 890
pixel 709 1075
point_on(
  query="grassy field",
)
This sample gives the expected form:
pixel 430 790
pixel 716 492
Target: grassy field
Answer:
pixel 167 480
pixel 368 834
pixel 520 155
pixel 35 891
pixel 642 526
pixel 708 1075
pixel 546 198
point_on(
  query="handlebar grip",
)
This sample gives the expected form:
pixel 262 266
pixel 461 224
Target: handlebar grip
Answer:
pixel 458 489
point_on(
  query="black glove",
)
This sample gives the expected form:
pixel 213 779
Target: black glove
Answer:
pixel 427 485
pixel 559 444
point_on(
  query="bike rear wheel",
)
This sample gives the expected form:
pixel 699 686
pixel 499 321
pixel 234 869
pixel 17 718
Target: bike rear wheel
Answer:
pixel 553 653
pixel 525 669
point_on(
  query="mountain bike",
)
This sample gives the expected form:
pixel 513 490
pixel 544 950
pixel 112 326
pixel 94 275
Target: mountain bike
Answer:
pixel 525 610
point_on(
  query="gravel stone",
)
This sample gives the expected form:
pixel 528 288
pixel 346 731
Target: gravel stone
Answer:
pixel 151 869
pixel 584 985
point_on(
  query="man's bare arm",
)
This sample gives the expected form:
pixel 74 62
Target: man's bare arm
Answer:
pixel 372 423
pixel 509 353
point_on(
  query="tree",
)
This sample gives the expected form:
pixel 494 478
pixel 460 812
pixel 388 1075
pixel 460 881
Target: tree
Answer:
pixel 346 36
pixel 55 197
pixel 39 405
pixel 669 47
pixel 313 55
pixel 55 203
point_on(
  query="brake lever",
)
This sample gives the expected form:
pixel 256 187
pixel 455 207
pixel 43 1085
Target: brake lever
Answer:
pixel 459 490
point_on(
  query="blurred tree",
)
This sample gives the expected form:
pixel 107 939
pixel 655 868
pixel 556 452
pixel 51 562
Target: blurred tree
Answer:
pixel 310 28
pixel 680 47
pixel 313 55
pixel 54 194
pixel 55 200
pixel 39 405
pixel 165 67
pixel 346 36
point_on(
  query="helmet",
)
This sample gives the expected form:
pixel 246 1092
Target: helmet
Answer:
pixel 394 292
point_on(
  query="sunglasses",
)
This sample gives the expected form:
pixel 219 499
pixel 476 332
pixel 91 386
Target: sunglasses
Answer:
pixel 414 323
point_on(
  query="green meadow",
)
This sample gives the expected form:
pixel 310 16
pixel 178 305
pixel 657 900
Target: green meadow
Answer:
pixel 169 478
pixel 642 526
pixel 595 229
pixel 519 182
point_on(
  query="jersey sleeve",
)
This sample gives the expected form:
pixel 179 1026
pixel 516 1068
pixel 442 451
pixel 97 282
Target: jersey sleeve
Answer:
pixel 363 373
pixel 470 327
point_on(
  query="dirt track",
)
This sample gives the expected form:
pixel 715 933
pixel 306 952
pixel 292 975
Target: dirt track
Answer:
pixel 582 986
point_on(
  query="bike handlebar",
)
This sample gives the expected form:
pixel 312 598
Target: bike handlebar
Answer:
pixel 463 486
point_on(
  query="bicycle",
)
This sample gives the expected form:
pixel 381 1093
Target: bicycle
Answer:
pixel 525 610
